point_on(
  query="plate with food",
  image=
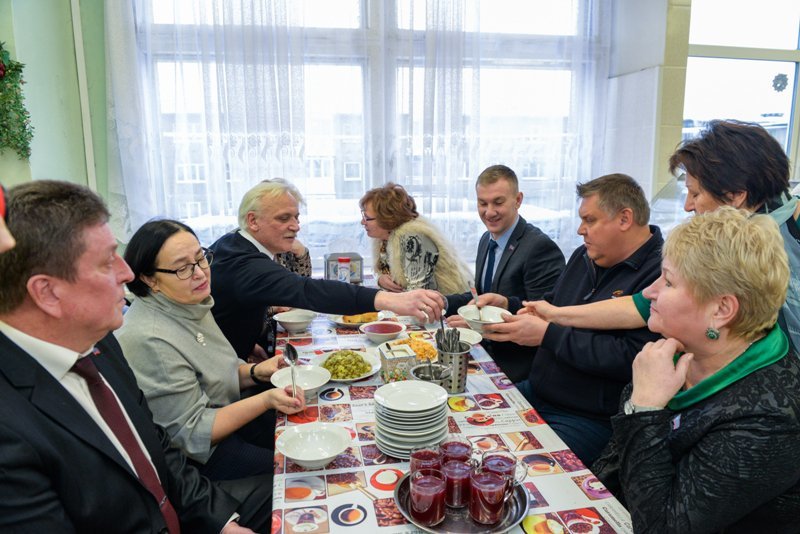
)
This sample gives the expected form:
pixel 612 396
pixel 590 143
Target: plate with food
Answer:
pixel 353 321
pixel 424 350
pixel 349 365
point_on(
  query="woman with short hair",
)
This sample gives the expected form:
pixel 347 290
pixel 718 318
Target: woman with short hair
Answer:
pixel 409 251
pixel 707 439
pixel 185 366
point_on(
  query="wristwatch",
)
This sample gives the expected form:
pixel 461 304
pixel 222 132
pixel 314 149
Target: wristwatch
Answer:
pixel 630 408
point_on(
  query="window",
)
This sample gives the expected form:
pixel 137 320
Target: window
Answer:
pixel 339 96
pixel 743 65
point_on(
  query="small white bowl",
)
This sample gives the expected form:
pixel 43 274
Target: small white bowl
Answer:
pixel 313 445
pixel 476 318
pixel 470 336
pixel 309 377
pixel 382 331
pixel 294 321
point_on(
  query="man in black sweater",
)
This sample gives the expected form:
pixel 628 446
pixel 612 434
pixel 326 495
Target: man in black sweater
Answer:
pixel 577 375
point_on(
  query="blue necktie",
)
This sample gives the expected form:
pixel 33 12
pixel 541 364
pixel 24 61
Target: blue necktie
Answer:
pixel 489 274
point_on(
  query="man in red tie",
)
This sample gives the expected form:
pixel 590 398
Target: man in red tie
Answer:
pixel 78 448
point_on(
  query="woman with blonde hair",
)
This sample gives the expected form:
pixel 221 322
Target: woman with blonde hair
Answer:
pixel 409 251
pixel 707 437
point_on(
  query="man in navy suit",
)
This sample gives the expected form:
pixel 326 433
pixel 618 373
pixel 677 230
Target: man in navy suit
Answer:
pixel 79 451
pixel 524 264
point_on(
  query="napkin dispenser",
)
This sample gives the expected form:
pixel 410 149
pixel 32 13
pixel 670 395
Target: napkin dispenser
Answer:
pixel 356 266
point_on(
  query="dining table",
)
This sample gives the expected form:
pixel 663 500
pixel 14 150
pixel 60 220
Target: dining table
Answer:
pixel 355 492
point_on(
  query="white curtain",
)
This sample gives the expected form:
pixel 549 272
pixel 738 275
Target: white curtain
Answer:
pixel 208 97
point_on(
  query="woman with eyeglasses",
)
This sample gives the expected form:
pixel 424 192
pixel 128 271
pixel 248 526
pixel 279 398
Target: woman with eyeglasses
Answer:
pixel 185 366
pixel 409 251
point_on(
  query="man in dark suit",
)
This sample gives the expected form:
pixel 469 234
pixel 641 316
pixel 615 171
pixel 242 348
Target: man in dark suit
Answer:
pixel 248 280
pixel 524 264
pixel 79 450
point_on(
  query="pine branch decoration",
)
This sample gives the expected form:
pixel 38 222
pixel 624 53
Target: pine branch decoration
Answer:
pixel 16 131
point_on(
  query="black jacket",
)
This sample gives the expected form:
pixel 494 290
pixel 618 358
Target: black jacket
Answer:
pixel 60 473
pixel 583 371
pixel 527 269
pixel 730 463
pixel 245 282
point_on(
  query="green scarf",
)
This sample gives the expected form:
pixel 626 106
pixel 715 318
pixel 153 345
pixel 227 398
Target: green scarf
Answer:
pixel 766 351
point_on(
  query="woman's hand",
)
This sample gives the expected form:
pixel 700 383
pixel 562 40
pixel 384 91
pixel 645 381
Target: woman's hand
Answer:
pixel 655 378
pixel 264 370
pixel 385 282
pixel 298 248
pixel 282 400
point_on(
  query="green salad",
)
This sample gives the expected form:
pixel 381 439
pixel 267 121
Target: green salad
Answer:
pixel 346 364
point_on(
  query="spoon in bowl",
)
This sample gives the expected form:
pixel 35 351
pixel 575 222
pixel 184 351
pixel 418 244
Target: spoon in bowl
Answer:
pixel 290 355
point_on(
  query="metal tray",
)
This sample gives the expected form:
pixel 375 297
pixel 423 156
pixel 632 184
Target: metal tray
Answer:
pixel 457 521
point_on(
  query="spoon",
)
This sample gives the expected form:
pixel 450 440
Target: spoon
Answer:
pixel 475 298
pixel 290 355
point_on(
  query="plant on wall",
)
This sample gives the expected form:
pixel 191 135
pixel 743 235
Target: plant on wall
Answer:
pixel 16 131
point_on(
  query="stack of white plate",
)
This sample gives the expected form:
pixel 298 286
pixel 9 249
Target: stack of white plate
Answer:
pixel 409 414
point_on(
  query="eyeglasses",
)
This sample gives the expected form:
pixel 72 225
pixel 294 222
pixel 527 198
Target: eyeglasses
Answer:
pixel 185 272
pixel 365 218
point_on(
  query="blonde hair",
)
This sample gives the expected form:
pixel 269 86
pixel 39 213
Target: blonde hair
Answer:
pixel 251 201
pixel 730 252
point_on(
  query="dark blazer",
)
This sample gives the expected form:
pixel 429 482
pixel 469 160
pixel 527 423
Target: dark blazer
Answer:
pixel 529 267
pixel 60 473
pixel 246 282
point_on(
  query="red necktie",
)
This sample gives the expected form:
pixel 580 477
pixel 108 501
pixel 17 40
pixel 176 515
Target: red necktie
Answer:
pixel 110 409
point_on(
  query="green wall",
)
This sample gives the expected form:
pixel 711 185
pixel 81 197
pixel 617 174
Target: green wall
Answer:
pixel 39 33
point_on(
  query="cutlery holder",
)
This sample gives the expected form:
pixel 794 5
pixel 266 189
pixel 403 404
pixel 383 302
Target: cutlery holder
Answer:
pixel 457 361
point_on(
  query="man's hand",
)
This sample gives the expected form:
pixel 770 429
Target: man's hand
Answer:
pixel 525 330
pixel 655 378
pixel 424 304
pixel 385 282
pixel 491 299
pixel 541 309
pixel 235 528
pixel 456 321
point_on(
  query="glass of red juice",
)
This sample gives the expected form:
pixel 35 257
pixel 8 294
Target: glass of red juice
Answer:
pixel 488 494
pixel 427 496
pixel 504 463
pixel 456 477
pixel 426 457
pixel 455 447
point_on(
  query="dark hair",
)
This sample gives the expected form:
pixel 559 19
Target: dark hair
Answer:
pixel 731 156
pixel 495 173
pixel 616 192
pixel 392 204
pixel 47 218
pixel 144 246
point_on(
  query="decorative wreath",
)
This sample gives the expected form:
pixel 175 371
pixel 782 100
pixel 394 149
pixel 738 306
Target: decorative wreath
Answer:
pixel 779 82
pixel 16 131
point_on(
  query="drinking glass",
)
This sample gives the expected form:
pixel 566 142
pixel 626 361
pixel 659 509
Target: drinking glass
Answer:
pixel 488 494
pixel 425 457
pixel 504 463
pixel 455 447
pixel 427 496
pixel 456 476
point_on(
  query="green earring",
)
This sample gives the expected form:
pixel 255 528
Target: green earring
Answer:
pixel 712 333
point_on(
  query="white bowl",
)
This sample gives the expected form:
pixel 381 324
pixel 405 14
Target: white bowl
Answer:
pixel 294 321
pixel 470 336
pixel 309 377
pixel 382 331
pixel 313 445
pixel 476 317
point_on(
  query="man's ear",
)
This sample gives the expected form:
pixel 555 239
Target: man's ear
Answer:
pixel 45 292
pixel 252 221
pixel 625 217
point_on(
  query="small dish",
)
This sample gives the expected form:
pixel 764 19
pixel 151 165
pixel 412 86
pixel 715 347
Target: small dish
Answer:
pixel 295 321
pixel 372 360
pixel 470 336
pixel 309 377
pixel 478 317
pixel 313 445
pixel 382 331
